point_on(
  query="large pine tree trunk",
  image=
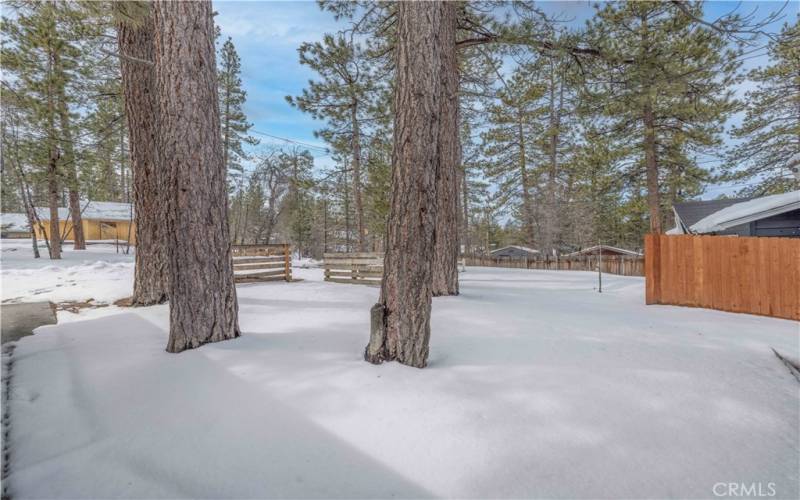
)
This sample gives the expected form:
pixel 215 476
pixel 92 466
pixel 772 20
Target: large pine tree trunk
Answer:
pixel 202 294
pixel 151 276
pixel 653 197
pixel 445 263
pixel 401 320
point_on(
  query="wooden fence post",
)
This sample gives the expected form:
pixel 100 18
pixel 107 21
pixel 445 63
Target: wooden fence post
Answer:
pixel 287 262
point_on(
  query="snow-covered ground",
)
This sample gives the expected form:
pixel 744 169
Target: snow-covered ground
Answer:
pixel 538 386
pixel 102 272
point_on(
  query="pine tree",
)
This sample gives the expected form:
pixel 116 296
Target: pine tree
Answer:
pixel 344 96
pixel 297 165
pixel 665 80
pixel 770 132
pixel 233 119
pixel 42 57
pixel 514 123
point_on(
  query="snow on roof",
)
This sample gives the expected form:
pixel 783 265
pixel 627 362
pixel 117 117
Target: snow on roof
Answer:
pixel 518 247
pixel 100 210
pixel 14 222
pixel 688 213
pixel 748 211
pixel 605 248
pixel 676 230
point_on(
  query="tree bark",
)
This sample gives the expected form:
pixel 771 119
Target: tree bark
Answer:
pixel 401 320
pixel 445 262
pixel 202 293
pixel 151 276
pixel 653 197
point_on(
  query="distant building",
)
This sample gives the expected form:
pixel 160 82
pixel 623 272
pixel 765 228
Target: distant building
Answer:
pixel 14 226
pixel 605 250
pixel 515 251
pixel 775 215
pixel 101 220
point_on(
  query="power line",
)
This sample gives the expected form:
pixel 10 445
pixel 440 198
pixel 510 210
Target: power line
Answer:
pixel 312 146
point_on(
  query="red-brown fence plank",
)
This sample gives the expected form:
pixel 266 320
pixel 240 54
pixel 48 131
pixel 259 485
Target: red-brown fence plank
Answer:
pixel 738 274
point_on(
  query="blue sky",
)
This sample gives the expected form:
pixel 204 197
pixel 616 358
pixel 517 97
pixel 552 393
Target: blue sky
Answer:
pixel 267 34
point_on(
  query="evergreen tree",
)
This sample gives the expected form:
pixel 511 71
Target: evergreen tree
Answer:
pixel 770 132
pixel 344 96
pixel 233 121
pixel 37 60
pixel 297 165
pixel 514 123
pixel 665 80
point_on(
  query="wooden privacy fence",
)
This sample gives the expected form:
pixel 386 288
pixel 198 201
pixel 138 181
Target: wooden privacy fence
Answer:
pixel 365 268
pixel 738 274
pixel 612 264
pixel 262 263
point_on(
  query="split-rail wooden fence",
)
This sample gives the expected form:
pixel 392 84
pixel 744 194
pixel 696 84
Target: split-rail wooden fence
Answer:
pixel 737 274
pixel 611 264
pixel 262 263
pixel 363 268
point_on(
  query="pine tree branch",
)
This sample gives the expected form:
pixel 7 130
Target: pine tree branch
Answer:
pixel 125 56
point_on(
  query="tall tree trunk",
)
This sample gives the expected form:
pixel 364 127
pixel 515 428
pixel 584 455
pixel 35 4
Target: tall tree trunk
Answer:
pixel 527 202
pixel 346 212
pixel 53 192
pixel 650 158
pixel 467 237
pixel 202 294
pixel 68 155
pixel 653 197
pixel 357 177
pixel 24 192
pixel 126 189
pixel 550 233
pixel 53 189
pixel 445 261
pixel 151 276
pixel 401 320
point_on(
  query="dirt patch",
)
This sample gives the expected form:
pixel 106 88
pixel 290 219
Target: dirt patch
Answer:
pixel 75 306
pixel 126 302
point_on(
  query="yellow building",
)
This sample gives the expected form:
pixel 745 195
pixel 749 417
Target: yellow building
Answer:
pixel 101 221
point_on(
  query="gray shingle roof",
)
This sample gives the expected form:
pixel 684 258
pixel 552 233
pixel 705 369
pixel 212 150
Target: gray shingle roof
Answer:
pixel 691 212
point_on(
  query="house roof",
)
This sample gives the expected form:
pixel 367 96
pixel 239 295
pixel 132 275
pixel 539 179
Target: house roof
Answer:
pixel 604 248
pixel 748 211
pixel 14 222
pixel 690 212
pixel 99 210
pixel 518 247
